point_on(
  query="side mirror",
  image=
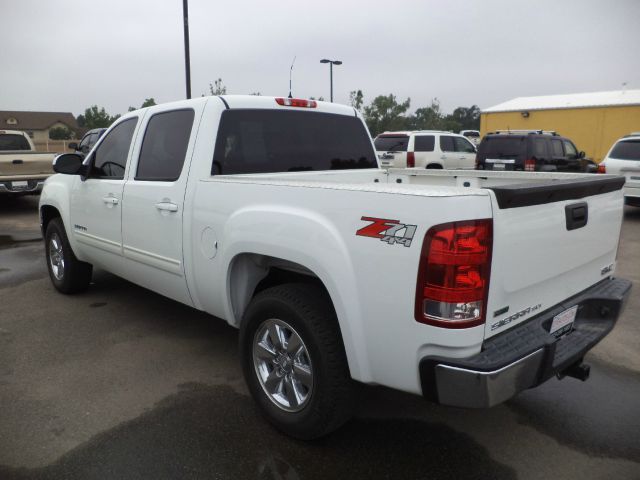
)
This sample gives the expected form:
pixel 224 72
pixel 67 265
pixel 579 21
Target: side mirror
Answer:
pixel 72 146
pixel 69 164
pixel 581 154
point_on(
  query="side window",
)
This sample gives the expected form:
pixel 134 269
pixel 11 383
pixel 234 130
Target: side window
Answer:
pixel 424 143
pixel 463 145
pixel 556 146
pixel 540 148
pixel 110 158
pixel 84 144
pixel 446 143
pixel 165 145
pixel 570 149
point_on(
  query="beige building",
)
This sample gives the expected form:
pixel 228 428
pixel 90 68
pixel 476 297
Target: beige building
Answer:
pixel 37 124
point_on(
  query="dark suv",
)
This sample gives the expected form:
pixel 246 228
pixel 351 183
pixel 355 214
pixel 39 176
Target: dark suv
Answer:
pixel 88 141
pixel 531 150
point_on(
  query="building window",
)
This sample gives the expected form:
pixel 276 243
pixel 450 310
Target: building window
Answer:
pixel 12 121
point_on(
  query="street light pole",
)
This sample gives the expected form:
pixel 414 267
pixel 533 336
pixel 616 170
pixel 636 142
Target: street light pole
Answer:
pixel 187 61
pixel 331 64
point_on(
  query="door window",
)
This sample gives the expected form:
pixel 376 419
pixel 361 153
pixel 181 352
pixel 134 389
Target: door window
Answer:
pixel 110 158
pixel 556 146
pixel 539 148
pixel 463 145
pixel 570 149
pixel 446 143
pixel 165 145
pixel 424 143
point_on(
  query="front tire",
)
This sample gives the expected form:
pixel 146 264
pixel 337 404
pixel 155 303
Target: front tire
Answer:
pixel 67 273
pixel 294 361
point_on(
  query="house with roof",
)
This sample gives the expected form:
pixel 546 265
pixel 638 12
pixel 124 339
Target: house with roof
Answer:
pixel 37 124
pixel 594 121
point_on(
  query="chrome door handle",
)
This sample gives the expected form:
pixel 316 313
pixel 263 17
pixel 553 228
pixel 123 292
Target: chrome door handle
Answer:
pixel 167 207
pixel 110 200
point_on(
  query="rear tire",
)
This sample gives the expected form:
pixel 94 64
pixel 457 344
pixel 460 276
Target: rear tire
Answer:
pixel 67 273
pixel 294 361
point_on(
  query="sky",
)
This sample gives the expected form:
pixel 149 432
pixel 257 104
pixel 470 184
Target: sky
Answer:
pixel 65 55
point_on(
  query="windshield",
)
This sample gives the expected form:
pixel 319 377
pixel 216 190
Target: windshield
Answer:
pixel 500 147
pixel 392 143
pixel 268 141
pixel 626 150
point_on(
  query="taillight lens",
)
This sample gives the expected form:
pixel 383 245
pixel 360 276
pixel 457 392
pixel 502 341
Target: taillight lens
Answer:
pixel 453 276
pixel 530 165
pixel 296 102
pixel 411 159
pixel 602 168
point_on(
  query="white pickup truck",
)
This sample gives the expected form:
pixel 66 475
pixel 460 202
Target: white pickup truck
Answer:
pixel 22 169
pixel 273 215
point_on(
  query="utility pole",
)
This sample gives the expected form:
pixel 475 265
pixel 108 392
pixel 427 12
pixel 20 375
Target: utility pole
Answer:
pixel 187 61
pixel 331 64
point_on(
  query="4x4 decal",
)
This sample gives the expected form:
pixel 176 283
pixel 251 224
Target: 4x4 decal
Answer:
pixel 390 231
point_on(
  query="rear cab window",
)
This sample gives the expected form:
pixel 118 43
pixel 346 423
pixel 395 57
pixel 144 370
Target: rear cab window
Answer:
pixel 626 150
pixel 392 143
pixel 271 141
pixel 11 141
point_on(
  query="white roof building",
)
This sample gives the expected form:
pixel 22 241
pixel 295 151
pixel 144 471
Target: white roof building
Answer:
pixel 616 98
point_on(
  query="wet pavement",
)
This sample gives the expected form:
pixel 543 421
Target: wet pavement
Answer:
pixel 119 382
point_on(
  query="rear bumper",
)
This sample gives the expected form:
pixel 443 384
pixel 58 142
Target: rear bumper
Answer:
pixel 632 195
pixel 33 186
pixel 526 355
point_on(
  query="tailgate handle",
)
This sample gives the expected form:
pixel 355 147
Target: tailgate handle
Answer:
pixel 577 215
pixel 17 162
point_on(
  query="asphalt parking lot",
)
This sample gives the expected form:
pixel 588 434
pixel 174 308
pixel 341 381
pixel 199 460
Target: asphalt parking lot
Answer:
pixel 122 383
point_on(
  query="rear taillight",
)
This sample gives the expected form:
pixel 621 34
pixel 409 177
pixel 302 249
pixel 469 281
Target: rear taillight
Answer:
pixel 411 159
pixel 296 102
pixel 530 165
pixel 453 276
pixel 602 168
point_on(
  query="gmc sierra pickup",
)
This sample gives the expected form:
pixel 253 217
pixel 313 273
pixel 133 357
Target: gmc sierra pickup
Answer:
pixel 22 169
pixel 466 287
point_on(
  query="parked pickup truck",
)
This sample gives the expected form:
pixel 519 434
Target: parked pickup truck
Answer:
pixel 272 214
pixel 22 169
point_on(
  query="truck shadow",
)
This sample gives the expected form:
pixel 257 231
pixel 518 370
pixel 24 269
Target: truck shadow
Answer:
pixel 213 432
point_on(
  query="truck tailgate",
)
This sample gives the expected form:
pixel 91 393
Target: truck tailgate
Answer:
pixel 551 241
pixel 25 163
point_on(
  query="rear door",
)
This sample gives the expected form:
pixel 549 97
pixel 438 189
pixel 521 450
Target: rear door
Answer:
pixel 424 148
pixel 544 253
pixel 392 150
pixel 449 157
pixel 153 201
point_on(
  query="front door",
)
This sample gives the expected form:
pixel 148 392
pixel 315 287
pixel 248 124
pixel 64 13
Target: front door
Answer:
pixel 153 202
pixel 96 203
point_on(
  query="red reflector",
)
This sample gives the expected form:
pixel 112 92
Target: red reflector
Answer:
pixel 602 168
pixel 411 159
pixel 453 276
pixel 296 102
pixel 530 165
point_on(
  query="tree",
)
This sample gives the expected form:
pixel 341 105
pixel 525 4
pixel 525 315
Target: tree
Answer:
pixel 356 99
pixel 427 118
pixel 148 102
pixel 467 118
pixel 60 133
pixel 95 117
pixel 217 88
pixel 385 113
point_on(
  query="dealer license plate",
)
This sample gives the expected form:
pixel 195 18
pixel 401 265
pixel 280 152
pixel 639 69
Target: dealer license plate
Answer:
pixel 21 184
pixel 498 166
pixel 562 322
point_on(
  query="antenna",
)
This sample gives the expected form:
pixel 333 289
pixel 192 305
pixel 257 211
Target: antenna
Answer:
pixel 290 73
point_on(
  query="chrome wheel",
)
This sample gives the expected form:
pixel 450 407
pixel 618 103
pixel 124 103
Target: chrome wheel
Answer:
pixel 283 366
pixel 56 257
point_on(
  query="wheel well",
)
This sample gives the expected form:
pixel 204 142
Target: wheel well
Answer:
pixel 252 273
pixel 434 166
pixel 48 213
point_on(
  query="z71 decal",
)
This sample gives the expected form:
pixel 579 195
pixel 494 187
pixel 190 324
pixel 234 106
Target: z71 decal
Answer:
pixel 390 231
